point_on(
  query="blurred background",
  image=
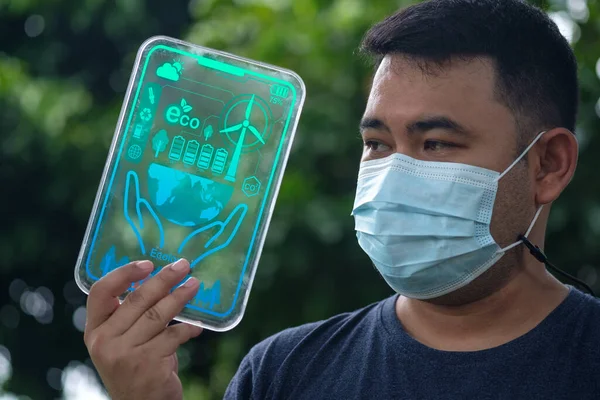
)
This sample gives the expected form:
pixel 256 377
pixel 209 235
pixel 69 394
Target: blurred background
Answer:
pixel 64 68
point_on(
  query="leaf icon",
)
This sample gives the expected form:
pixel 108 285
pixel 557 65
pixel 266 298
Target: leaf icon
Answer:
pixel 183 103
pixel 187 108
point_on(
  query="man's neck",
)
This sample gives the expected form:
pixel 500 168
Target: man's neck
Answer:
pixel 524 302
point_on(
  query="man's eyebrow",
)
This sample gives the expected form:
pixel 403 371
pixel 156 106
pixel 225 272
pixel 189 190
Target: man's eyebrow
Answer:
pixel 373 123
pixel 419 126
pixel 437 122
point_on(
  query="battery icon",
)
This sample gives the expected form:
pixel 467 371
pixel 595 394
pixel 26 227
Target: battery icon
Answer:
pixel 176 148
pixel 205 156
pixel 280 91
pixel 191 152
pixel 220 159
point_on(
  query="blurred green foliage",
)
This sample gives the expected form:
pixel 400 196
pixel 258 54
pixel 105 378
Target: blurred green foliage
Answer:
pixel 64 68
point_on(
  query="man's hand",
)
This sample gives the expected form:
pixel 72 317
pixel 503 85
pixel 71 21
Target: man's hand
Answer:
pixel 130 344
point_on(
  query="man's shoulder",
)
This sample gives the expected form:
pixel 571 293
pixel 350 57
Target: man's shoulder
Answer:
pixel 310 338
pixel 584 304
pixel 579 322
pixel 270 365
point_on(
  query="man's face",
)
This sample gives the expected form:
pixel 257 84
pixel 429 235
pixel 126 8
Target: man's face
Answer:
pixel 453 116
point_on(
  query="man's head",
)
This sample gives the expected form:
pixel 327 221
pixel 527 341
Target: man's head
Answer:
pixel 473 82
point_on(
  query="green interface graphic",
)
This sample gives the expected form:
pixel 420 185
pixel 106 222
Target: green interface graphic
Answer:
pixel 199 152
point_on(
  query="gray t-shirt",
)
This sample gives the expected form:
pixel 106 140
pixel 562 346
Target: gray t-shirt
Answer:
pixel 367 354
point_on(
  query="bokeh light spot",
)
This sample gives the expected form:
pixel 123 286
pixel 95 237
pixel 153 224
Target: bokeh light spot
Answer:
pixel 54 378
pixel 79 317
pixel 34 25
pixel 16 289
pixel 5 365
pixel 80 383
pixel 567 27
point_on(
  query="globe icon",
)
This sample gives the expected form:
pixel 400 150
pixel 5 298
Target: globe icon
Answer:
pixel 186 199
pixel 134 152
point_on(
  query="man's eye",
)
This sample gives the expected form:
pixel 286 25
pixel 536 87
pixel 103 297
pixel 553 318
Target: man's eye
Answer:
pixel 436 145
pixel 377 147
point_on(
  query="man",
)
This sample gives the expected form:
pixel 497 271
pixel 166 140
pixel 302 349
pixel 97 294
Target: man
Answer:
pixel 467 142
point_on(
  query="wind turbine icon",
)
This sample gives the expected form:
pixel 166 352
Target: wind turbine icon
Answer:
pixel 239 144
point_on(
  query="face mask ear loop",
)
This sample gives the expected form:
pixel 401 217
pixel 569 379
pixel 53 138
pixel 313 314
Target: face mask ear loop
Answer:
pixel 541 257
pixel 507 170
pixel 537 214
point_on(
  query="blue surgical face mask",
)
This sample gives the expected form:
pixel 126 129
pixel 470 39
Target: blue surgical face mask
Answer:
pixel 426 225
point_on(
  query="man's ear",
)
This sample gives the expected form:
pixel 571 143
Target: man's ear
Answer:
pixel 554 159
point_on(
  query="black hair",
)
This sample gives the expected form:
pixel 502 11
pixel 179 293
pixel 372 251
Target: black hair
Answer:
pixel 536 70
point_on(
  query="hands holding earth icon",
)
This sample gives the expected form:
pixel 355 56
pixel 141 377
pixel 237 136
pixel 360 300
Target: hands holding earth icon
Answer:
pixel 185 200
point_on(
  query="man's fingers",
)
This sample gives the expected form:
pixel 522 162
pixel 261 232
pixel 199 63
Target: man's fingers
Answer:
pixel 103 298
pixel 154 320
pixel 142 300
pixel 176 363
pixel 169 340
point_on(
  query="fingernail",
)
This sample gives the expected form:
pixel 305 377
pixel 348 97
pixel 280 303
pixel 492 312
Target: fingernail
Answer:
pixel 190 283
pixel 145 265
pixel 180 265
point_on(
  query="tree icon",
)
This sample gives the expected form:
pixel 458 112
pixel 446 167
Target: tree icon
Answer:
pixel 159 142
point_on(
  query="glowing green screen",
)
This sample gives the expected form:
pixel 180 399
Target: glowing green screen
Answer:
pixel 194 171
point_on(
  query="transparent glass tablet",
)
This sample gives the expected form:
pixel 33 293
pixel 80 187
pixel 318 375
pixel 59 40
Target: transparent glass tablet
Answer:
pixel 193 172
